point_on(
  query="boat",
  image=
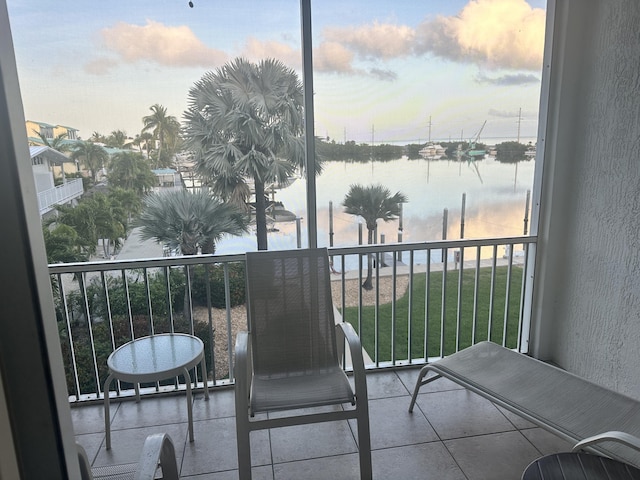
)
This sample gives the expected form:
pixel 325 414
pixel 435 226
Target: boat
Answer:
pixel 432 150
pixel 474 152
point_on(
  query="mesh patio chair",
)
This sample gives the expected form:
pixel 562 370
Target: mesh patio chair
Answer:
pixel 289 359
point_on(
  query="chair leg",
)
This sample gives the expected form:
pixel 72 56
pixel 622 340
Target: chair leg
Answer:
pixel 423 372
pixel 244 448
pixel 420 382
pixel 364 442
pixel 107 417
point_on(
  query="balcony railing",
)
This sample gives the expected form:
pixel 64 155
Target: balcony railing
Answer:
pixel 59 195
pixel 426 301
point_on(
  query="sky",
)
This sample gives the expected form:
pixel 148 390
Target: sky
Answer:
pixel 383 71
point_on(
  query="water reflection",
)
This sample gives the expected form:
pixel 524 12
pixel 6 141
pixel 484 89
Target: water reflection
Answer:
pixel 495 206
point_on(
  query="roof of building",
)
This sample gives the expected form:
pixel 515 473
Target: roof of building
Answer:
pixel 53 156
pixel 42 124
pixel 164 171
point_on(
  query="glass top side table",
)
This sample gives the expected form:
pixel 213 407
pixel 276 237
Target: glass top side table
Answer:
pixel 154 358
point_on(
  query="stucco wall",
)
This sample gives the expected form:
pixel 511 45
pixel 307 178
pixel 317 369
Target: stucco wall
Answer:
pixel 594 324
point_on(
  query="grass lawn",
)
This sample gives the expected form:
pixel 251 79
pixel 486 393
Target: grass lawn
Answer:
pixel 396 333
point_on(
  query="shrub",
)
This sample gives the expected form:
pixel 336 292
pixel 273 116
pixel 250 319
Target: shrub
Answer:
pixel 215 274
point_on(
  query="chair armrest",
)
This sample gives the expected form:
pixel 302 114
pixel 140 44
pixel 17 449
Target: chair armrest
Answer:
pixel 85 465
pixel 345 331
pixel 612 436
pixel 157 449
pixel 242 372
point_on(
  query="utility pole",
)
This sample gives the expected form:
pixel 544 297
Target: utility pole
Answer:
pixel 519 121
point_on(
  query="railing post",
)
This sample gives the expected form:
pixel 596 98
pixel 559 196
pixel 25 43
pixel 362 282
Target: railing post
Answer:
pixel 445 216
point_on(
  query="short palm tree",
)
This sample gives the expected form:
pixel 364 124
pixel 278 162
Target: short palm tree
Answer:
pixel 93 156
pixel 57 143
pixel 189 221
pixel 244 125
pixel 117 139
pixel 129 170
pixel 372 203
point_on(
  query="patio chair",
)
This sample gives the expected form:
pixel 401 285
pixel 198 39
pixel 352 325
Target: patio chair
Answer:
pixel 289 359
pixel 157 453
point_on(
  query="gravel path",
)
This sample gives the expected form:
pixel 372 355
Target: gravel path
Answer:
pixel 239 317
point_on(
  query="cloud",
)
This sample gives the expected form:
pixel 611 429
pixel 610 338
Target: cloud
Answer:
pixel 378 40
pixel 159 43
pixel 386 75
pixel 255 50
pixel 494 33
pixel 333 57
pixel 509 79
pixel 99 66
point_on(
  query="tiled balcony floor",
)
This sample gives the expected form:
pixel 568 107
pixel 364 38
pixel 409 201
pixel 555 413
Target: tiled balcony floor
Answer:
pixel 452 434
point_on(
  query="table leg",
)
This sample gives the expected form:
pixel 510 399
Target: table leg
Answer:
pixel 203 365
pixel 107 419
pixel 187 379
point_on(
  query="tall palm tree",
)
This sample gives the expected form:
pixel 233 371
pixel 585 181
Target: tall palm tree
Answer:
pixel 245 124
pixel 93 156
pixel 372 203
pixel 188 221
pixel 164 127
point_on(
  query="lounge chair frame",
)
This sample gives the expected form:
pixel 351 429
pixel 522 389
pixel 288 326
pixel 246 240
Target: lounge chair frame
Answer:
pixel 569 406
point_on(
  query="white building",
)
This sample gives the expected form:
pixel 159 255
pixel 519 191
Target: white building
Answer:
pixel 42 161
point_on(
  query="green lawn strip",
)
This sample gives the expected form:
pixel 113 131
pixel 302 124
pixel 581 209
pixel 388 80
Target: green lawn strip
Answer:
pixel 434 318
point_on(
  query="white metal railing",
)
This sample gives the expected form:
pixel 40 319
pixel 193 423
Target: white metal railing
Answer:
pixel 427 300
pixel 59 195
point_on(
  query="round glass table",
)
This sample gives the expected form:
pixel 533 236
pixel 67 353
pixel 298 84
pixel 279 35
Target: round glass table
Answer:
pixel 154 358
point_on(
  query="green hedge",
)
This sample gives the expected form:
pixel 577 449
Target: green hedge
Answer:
pixel 215 273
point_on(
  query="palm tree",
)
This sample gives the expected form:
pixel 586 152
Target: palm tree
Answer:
pixel 127 200
pixel 97 137
pixel 92 155
pixel 165 127
pixel 57 143
pixel 189 221
pixel 62 244
pixel 117 139
pixel 372 203
pixel 95 219
pixel 110 221
pixel 245 123
pixel 146 137
pixel 130 171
